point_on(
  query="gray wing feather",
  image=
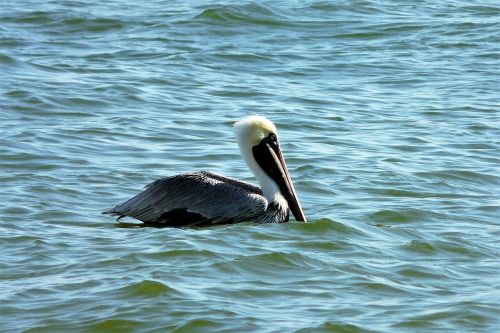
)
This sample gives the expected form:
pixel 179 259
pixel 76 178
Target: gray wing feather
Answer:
pixel 216 198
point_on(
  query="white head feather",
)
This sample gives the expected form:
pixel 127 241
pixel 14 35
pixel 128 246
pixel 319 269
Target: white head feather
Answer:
pixel 249 132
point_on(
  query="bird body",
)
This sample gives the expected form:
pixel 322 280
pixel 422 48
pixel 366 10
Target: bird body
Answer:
pixel 206 198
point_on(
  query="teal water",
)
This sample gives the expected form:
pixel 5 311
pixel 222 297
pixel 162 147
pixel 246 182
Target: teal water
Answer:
pixel 389 118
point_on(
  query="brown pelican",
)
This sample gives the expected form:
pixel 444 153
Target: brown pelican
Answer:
pixel 205 198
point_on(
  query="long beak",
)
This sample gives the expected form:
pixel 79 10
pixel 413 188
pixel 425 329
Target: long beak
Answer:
pixel 270 158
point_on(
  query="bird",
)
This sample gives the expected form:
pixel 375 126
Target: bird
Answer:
pixel 204 198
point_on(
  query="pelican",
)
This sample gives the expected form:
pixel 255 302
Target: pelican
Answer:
pixel 206 198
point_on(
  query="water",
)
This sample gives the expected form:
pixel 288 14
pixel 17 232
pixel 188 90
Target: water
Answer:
pixel 389 119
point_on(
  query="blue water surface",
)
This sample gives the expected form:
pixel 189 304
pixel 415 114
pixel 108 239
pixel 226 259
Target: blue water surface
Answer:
pixel 388 115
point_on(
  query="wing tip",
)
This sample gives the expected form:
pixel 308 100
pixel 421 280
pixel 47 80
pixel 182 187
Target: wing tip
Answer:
pixel 108 211
pixel 112 212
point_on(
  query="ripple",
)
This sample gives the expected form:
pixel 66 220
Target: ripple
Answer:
pixel 443 247
pixel 463 175
pixel 323 226
pixel 252 14
pixel 378 287
pixel 388 117
pixel 59 20
pixel 146 288
pixel 39 17
pixel 329 326
pixel 94 24
pixel 398 193
pixel 469 315
pixel 115 325
pixel 271 264
pixel 421 247
pixel 409 215
pixel 6 60
pixel 198 325
pixel 420 272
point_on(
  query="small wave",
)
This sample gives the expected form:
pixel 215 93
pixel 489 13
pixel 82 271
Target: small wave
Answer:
pixel 322 226
pixel 397 193
pixel 116 325
pixel 199 325
pixel 274 263
pixel 37 17
pixel 466 314
pixel 146 288
pixel 74 24
pixel 287 260
pixel 77 102
pixel 251 14
pixel 419 273
pixel 398 216
pixel 329 326
pixel 378 287
pixel 6 60
pixel 94 24
pixel 420 247
pixel 462 175
pixel 186 255
pixel 437 247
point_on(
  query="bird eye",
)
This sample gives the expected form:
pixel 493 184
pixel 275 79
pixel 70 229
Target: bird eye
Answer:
pixel 274 139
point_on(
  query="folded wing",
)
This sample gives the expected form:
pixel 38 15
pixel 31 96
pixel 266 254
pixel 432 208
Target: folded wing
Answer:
pixel 194 199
